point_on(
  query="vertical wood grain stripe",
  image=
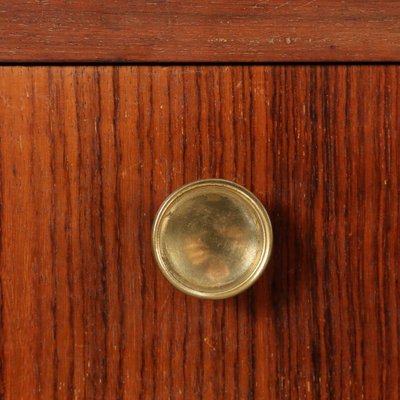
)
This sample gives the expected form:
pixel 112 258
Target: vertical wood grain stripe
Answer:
pixel 87 155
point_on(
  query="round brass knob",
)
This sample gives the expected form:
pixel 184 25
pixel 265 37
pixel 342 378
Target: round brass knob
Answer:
pixel 212 238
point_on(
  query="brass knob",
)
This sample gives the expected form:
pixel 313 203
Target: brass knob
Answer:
pixel 212 238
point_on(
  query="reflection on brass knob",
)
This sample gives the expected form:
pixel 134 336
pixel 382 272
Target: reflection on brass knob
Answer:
pixel 212 238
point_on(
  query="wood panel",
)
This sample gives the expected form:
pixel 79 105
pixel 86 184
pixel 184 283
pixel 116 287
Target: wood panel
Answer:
pixel 121 31
pixel 87 155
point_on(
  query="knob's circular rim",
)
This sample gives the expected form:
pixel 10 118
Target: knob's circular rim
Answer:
pixel 265 223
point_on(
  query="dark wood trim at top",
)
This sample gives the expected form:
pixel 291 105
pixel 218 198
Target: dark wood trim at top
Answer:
pixel 199 31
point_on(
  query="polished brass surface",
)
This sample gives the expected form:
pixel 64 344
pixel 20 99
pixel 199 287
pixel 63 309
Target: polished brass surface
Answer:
pixel 212 238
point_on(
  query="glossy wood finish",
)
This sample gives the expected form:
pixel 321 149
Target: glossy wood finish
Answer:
pixel 88 154
pixel 199 31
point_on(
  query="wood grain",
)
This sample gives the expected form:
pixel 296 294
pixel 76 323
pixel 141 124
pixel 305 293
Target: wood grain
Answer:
pixel 87 155
pixel 172 31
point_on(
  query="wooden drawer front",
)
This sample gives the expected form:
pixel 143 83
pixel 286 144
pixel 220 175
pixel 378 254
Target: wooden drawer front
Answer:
pixel 87 155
